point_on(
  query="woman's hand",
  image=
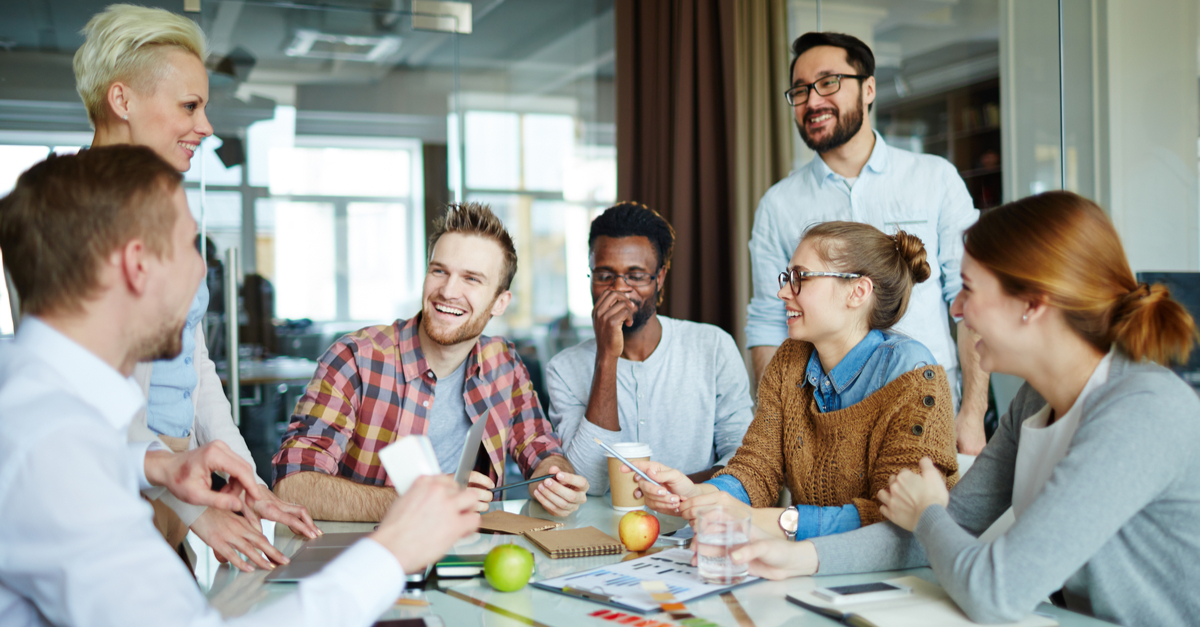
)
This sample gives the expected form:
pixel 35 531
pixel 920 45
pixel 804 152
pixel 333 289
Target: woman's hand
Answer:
pixel 691 507
pixel 676 487
pixel 908 494
pixel 778 559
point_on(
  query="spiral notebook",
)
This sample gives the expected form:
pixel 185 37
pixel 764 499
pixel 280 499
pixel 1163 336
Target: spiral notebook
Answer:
pixel 581 542
pixel 514 524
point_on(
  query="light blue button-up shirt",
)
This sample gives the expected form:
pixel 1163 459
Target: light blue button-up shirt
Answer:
pixel 873 363
pixel 170 410
pixel 897 189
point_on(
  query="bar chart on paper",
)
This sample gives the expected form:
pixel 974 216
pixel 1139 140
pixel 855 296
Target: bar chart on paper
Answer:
pixel 621 582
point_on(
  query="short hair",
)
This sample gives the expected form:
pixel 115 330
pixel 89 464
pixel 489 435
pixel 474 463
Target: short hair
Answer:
pixel 126 43
pixel 632 219
pixel 858 54
pixel 477 219
pixel 67 214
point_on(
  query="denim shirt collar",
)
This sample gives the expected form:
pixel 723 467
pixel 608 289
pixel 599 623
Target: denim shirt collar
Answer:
pixel 877 163
pixel 847 371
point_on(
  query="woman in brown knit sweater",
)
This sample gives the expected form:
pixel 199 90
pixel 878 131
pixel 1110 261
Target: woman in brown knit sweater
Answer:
pixel 844 404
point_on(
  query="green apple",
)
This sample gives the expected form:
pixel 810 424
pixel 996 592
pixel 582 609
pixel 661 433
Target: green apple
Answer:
pixel 638 530
pixel 508 567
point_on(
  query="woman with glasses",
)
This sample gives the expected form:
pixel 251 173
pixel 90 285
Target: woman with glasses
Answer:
pixel 844 404
pixel 1096 455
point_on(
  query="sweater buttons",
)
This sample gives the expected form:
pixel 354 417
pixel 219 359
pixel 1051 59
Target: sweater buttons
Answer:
pixel 929 374
pixel 928 400
pixel 918 430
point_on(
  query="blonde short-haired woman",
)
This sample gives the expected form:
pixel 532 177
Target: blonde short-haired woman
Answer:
pixel 141 75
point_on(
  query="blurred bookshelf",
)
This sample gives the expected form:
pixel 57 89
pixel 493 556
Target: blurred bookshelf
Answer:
pixel 961 125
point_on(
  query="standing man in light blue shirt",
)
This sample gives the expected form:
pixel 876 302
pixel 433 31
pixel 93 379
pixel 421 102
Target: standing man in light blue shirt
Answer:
pixel 857 176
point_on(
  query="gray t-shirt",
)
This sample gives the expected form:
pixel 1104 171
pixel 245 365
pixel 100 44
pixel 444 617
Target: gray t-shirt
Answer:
pixel 690 401
pixel 448 422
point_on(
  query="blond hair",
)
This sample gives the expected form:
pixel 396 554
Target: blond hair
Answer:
pixel 126 43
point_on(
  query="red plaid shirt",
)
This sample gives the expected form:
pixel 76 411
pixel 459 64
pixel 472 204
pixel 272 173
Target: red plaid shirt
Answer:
pixel 373 387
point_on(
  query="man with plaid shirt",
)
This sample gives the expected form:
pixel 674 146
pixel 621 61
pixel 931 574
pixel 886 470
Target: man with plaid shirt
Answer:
pixel 379 384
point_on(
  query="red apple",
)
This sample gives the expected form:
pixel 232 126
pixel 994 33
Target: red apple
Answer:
pixel 638 530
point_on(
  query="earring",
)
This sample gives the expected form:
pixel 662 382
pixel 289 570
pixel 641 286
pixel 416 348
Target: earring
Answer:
pixel 1025 318
pixel 125 117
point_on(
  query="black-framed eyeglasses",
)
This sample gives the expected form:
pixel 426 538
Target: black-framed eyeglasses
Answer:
pixel 632 279
pixel 793 276
pixel 824 86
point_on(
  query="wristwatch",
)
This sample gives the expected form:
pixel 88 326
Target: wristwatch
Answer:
pixel 789 521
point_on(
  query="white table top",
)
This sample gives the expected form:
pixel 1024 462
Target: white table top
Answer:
pixel 234 593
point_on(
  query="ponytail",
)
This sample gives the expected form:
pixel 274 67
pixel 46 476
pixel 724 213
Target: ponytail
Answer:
pixel 1061 248
pixel 1149 324
pixel 894 263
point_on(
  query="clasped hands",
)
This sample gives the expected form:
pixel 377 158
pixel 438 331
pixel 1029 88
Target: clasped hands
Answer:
pixel 188 476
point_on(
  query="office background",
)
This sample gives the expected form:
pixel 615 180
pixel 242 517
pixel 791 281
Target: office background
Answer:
pixel 342 128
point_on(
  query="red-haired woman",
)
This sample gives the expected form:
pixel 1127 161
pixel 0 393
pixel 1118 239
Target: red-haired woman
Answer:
pixel 1096 455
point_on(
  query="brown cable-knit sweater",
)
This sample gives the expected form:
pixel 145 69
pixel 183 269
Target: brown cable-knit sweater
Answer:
pixel 844 456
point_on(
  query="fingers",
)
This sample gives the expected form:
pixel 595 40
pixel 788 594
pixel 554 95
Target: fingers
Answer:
pixel 751 551
pixel 220 458
pixel 553 503
pixel 482 498
pixel 480 480
pixel 577 483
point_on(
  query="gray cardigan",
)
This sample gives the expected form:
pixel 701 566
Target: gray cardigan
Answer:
pixel 1117 525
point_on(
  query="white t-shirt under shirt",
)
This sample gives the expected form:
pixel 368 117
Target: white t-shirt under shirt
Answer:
pixel 1043 446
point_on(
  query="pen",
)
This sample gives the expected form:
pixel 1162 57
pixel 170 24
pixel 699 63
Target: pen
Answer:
pixel 628 463
pixel 521 483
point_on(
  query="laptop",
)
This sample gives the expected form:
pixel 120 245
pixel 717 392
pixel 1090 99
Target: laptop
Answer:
pixel 315 554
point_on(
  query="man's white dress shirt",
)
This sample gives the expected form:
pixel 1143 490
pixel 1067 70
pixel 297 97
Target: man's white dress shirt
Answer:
pixel 896 190
pixel 77 546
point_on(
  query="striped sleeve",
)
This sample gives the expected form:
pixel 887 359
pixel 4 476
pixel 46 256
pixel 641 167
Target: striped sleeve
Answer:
pixel 532 439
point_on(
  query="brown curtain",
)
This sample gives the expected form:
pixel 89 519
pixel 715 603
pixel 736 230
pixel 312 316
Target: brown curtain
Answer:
pixel 675 98
pixel 689 143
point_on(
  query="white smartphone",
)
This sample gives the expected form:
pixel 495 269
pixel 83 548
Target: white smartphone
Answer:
pixel 862 593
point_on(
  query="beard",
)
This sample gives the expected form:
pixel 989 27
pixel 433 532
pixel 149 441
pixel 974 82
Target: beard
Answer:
pixel 166 343
pixel 846 128
pixel 642 315
pixel 470 329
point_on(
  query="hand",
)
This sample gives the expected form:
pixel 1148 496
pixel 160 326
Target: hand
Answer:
pixel 909 493
pixel 676 487
pixel 189 475
pixel 778 559
pixel 561 493
pixel 274 508
pixel 227 533
pixel 423 524
pixel 481 486
pixel 612 313
pixel 691 507
pixel 971 438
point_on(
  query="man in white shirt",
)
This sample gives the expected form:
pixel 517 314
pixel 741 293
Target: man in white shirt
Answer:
pixel 99 246
pixel 679 386
pixel 856 176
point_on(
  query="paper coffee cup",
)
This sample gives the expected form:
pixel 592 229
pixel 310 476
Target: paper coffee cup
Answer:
pixel 623 484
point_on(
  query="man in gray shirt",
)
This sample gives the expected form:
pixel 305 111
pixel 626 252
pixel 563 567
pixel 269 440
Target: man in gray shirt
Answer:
pixel 679 386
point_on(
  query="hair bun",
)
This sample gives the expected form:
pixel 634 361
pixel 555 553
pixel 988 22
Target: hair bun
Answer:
pixel 912 251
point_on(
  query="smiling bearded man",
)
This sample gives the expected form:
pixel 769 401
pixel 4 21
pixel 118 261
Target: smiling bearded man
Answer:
pixel 434 375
